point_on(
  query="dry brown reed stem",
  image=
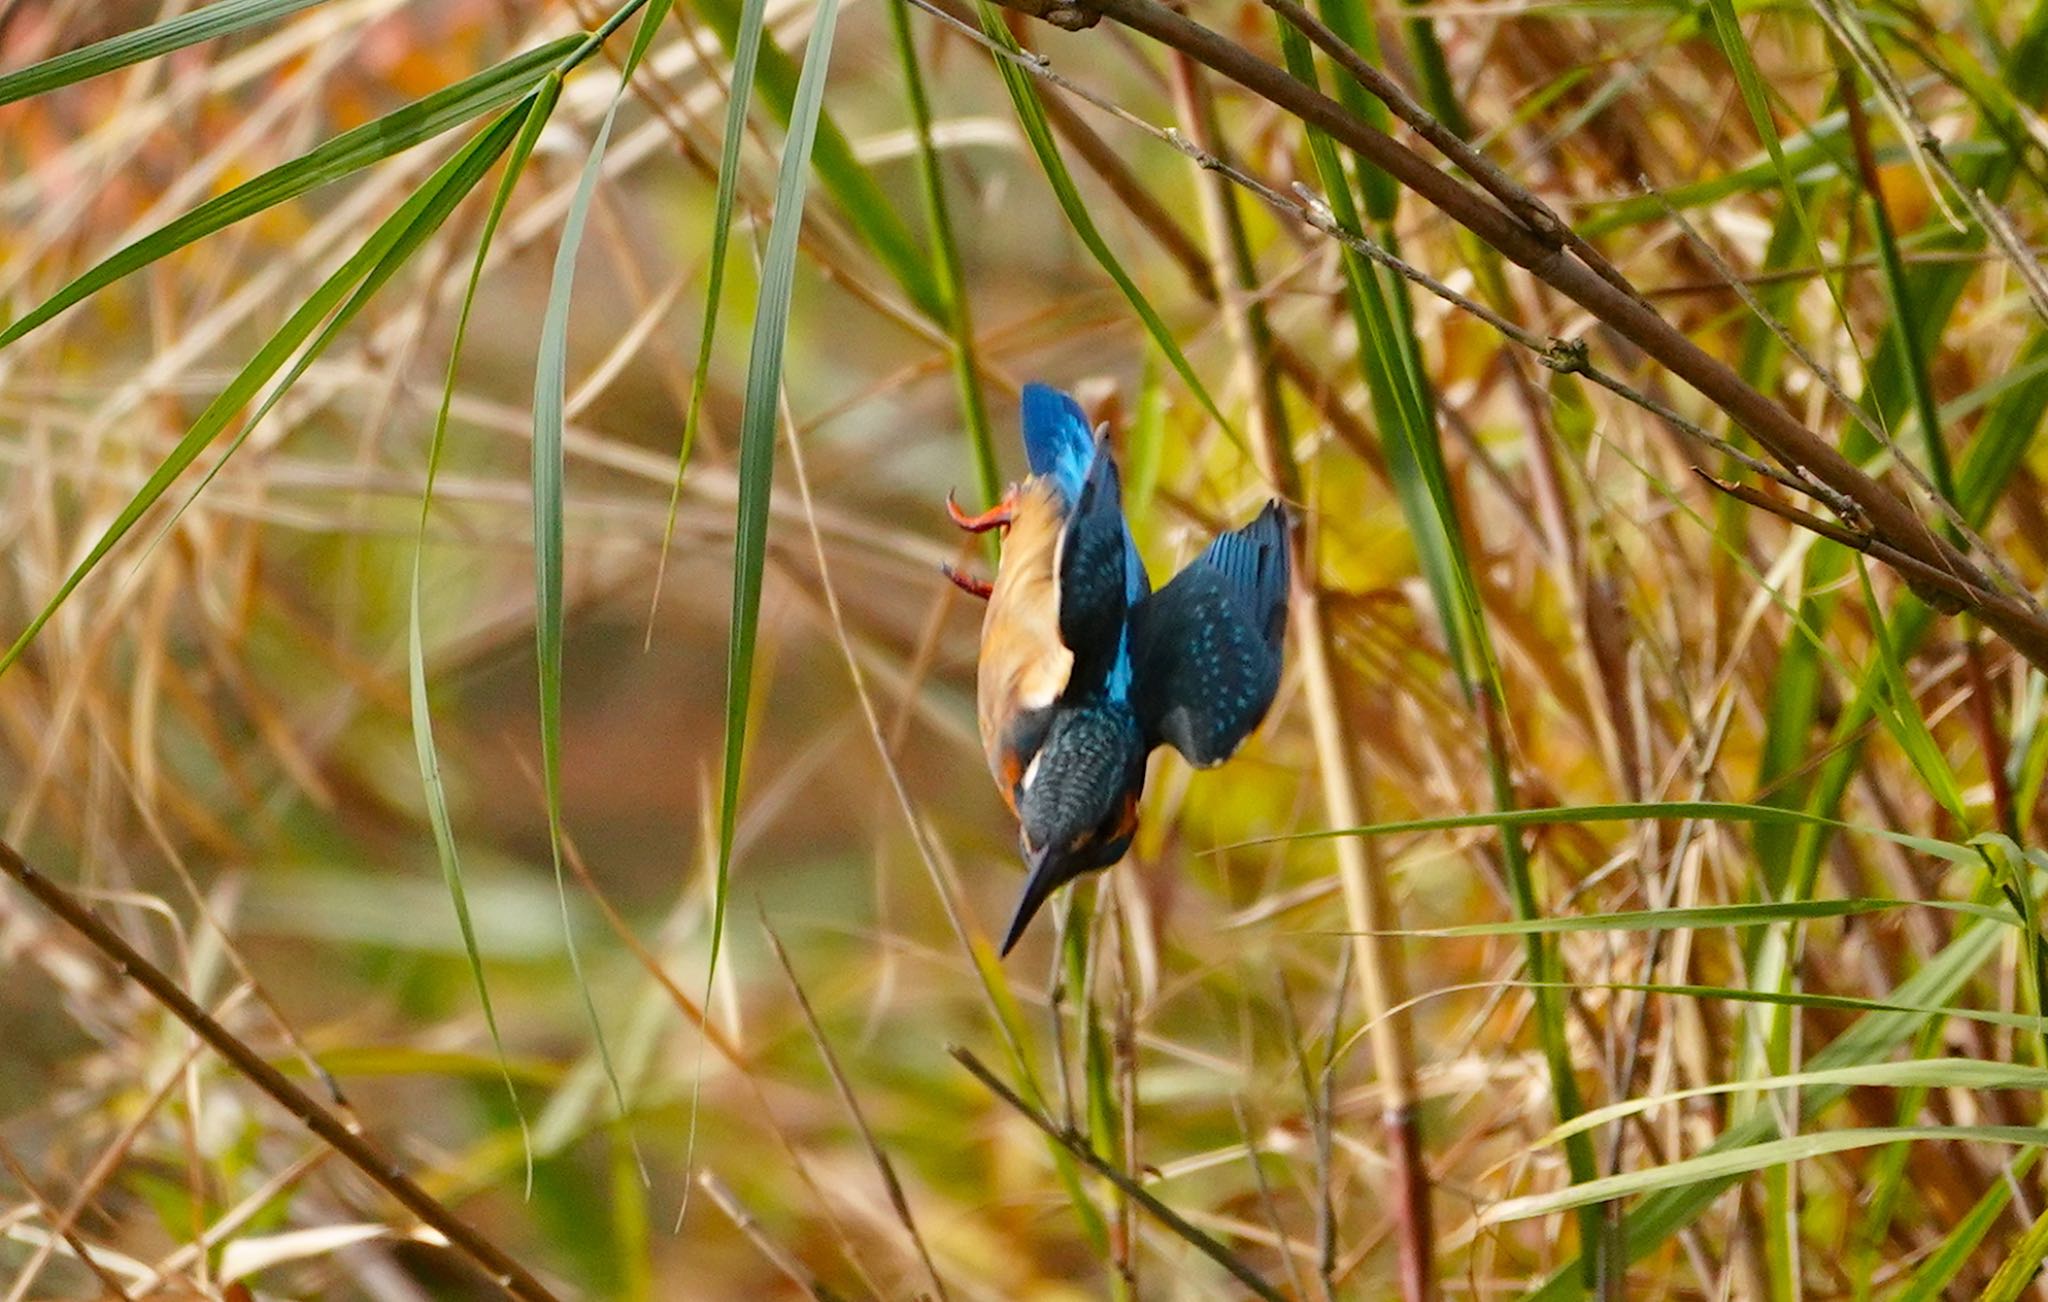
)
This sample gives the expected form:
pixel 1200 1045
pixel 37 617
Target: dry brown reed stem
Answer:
pixel 1369 910
pixel 749 1225
pixel 1894 526
pixel 382 1171
pixel 899 1202
pixel 63 1221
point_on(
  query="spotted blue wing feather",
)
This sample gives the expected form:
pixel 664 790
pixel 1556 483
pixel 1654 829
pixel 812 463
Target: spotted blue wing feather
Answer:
pixel 1095 557
pixel 1206 647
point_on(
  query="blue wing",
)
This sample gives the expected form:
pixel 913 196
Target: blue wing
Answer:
pixel 1206 647
pixel 1057 440
pixel 1095 585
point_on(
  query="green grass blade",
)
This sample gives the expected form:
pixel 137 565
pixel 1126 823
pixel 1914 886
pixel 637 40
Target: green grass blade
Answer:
pixel 348 152
pixel 410 224
pixel 945 251
pixel 1931 1281
pixel 428 754
pixel 1894 1005
pixel 746 57
pixel 853 188
pixel 1872 1038
pixel 1390 358
pixel 1713 811
pixel 550 396
pixel 758 421
pixel 1908 727
pixel 1706 916
pixel 1920 1073
pixel 1723 1164
pixel 143 44
pixel 2016 1273
pixel 1038 133
pixel 1756 99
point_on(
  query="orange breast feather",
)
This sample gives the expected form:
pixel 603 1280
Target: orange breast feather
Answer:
pixel 1024 665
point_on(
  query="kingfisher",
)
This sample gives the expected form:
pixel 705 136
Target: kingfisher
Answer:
pixel 1084 669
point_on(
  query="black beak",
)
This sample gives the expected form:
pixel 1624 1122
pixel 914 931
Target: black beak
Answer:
pixel 1045 878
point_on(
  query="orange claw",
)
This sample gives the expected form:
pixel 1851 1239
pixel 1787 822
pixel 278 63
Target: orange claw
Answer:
pixel 996 517
pixel 967 583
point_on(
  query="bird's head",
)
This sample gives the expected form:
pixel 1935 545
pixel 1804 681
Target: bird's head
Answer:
pixel 1077 801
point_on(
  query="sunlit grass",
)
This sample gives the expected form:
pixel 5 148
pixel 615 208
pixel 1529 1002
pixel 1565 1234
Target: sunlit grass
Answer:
pixel 1699 856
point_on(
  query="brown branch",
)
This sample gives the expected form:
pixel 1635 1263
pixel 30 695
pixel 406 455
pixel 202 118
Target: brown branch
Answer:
pixel 382 1171
pixel 1890 518
pixel 1938 588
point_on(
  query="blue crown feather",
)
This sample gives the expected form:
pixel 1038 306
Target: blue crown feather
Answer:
pixel 1057 440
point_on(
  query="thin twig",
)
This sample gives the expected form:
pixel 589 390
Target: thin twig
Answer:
pixel 365 1156
pixel 1568 356
pixel 743 1220
pixel 63 1221
pixel 1533 212
pixel 891 1185
pixel 1108 1170
pixel 1267 1206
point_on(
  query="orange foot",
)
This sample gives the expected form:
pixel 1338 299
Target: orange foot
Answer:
pixel 967 583
pixel 996 517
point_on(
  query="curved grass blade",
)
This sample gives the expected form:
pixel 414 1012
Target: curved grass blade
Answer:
pixel 1873 1037
pixel 370 265
pixel 757 473
pixel 859 197
pixel 143 44
pixel 536 117
pixel 1907 725
pixel 1729 1163
pixel 757 448
pixel 550 397
pixel 1756 99
pixel 1390 362
pixel 1711 811
pixel 1706 917
pixel 1782 999
pixel 351 151
pixel 1919 1073
pixel 746 57
pixel 1037 131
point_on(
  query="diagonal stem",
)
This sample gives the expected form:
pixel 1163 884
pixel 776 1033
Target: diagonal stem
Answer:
pixel 365 1156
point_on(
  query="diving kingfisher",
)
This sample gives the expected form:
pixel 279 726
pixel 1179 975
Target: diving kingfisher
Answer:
pixel 1084 669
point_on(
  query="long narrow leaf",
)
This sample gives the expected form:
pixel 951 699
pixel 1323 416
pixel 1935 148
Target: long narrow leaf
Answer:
pixel 746 56
pixel 1726 1163
pixel 348 152
pixel 952 285
pixel 143 44
pixel 431 202
pixel 1038 132
pixel 1931 1281
pixel 550 396
pixel 854 190
pixel 758 421
pixel 1713 811
pixel 1924 1073
pixel 435 790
